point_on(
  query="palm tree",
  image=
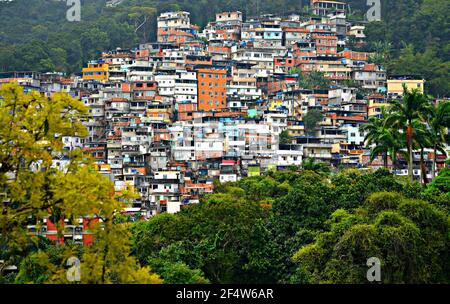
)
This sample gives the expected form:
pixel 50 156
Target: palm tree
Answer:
pixel 397 141
pixel 422 140
pixel 383 51
pixel 378 133
pixel 412 106
pixel 438 123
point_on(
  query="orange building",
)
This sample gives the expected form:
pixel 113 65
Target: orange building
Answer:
pixel 222 50
pixel 142 54
pixel 283 64
pixel 357 56
pixel 80 231
pixel 96 71
pixel 326 45
pixel 185 111
pixel 212 88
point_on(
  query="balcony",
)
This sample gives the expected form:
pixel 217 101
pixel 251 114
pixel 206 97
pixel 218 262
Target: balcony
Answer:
pixel 319 155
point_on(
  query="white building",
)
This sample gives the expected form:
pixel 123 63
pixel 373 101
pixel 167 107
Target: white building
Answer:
pixel 243 84
pixel 291 155
pixel 166 84
pixel 165 190
pixel 354 136
pixel 186 86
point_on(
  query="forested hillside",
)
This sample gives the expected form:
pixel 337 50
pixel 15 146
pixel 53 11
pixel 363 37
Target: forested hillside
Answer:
pixel 35 35
pixel 416 35
pixel 303 227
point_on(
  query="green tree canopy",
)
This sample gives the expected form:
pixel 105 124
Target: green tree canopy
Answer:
pixel 31 188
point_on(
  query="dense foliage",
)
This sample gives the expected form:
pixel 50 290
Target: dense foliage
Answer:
pixel 409 236
pixel 31 188
pixel 410 123
pixel 35 35
pixel 303 227
pixel 412 37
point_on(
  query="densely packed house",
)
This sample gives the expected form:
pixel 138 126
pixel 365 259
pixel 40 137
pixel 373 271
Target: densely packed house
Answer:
pixel 173 117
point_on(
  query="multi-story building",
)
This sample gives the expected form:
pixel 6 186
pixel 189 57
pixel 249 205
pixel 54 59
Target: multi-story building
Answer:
pixel 291 35
pixel 186 89
pixel 371 77
pixel 242 84
pixel 376 103
pixel 395 84
pixel 175 27
pixel 226 28
pixel 212 88
pixel 326 46
pixel 325 7
pixel 165 191
pixel 96 70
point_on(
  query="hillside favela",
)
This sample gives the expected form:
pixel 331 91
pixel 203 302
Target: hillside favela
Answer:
pixel 224 142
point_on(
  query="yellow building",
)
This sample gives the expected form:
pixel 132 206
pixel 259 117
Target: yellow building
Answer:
pixel 96 71
pixel 395 84
pixel 296 130
pixel 376 103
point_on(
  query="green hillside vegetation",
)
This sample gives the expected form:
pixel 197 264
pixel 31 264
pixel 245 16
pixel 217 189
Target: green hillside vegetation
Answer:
pixel 303 227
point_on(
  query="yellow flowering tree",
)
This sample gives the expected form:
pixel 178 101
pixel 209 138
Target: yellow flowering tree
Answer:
pixel 31 188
